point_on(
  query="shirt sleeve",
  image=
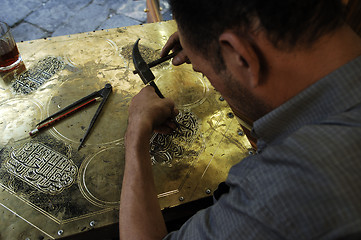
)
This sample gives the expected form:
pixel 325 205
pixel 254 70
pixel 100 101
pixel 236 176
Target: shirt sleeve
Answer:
pixel 226 219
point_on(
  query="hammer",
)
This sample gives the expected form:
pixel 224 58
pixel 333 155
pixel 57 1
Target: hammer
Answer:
pixel 143 69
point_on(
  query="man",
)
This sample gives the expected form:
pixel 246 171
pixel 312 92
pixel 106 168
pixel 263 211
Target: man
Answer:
pixel 292 67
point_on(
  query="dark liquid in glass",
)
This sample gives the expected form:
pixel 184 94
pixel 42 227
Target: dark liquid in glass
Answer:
pixel 10 57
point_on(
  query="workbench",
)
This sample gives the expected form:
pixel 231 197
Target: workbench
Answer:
pixel 49 189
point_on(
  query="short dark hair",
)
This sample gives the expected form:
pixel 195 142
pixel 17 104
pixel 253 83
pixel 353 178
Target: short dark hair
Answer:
pixel 287 23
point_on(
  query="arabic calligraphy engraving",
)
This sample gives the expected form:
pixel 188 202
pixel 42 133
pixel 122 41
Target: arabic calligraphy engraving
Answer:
pixel 170 146
pixel 35 77
pixel 42 168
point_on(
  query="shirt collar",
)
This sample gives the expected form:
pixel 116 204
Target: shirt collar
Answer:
pixel 335 93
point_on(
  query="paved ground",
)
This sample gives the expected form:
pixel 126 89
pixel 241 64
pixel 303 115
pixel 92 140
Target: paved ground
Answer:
pixel 33 19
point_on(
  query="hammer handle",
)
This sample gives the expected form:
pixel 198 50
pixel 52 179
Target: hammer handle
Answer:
pixel 159 61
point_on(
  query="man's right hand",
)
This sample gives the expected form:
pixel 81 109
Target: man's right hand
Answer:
pixel 150 113
pixel 174 44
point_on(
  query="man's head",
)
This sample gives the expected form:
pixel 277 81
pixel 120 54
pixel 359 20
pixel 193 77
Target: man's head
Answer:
pixel 287 23
pixel 212 31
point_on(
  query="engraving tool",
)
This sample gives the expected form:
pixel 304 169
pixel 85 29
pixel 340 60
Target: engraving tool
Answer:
pixel 81 103
pixel 143 70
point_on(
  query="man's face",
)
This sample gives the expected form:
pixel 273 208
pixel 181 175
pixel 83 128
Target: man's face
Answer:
pixel 241 99
pixel 204 66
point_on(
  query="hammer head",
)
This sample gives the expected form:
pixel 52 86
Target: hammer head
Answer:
pixel 141 66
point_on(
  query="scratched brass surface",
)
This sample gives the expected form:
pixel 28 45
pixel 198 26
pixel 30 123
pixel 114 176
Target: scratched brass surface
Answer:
pixel 48 189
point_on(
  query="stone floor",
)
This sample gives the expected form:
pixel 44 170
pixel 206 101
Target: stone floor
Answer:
pixel 34 19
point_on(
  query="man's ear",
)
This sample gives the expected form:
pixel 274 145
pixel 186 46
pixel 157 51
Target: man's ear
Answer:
pixel 240 58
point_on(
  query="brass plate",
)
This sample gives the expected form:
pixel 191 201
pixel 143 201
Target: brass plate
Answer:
pixel 50 190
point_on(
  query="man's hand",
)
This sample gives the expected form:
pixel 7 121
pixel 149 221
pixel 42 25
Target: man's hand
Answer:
pixel 149 112
pixel 173 43
pixel 140 216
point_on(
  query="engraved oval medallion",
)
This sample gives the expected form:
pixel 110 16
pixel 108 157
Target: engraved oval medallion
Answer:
pixel 100 177
pixel 42 167
pixel 164 148
pixel 32 79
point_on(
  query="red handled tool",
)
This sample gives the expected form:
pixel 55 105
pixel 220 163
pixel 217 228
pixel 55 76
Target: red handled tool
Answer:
pixel 81 103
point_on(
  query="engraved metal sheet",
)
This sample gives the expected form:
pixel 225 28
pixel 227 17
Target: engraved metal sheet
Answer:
pixel 41 167
pixel 32 79
pixel 166 148
pixel 49 189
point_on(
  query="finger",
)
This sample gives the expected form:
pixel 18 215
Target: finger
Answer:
pixel 175 112
pixel 150 92
pixel 164 129
pixel 171 124
pixel 180 58
pixel 172 43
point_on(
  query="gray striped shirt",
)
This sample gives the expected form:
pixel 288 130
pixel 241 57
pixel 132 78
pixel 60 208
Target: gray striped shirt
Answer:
pixel 305 181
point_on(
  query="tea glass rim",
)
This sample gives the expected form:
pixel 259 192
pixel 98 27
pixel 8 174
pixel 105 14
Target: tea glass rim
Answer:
pixel 7 28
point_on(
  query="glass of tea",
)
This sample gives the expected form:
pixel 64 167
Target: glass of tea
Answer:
pixel 10 58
